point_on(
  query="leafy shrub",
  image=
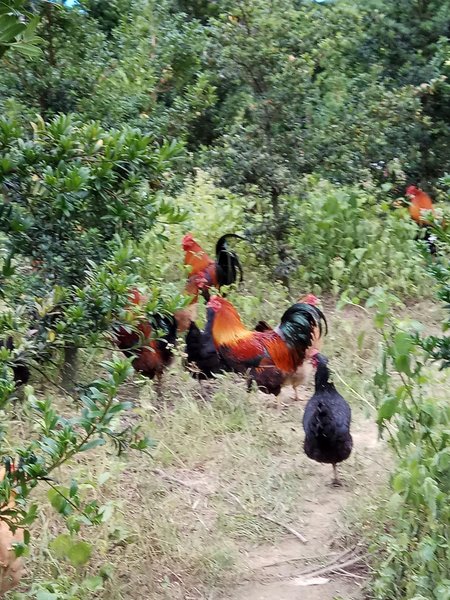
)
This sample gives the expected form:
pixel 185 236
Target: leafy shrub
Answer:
pixel 70 186
pixel 415 545
pixel 346 241
pixel 208 212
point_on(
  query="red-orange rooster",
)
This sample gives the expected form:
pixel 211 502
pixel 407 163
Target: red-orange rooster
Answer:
pixel 151 356
pixel 206 272
pixel 420 203
pixel 272 355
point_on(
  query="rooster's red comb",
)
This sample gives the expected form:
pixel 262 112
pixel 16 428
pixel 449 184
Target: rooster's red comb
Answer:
pixel 412 190
pixel 187 241
pixel 310 299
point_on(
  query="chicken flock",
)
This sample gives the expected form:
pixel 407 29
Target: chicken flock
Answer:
pixel 269 357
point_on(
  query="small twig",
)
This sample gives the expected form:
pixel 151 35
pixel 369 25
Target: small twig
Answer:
pixel 294 532
pixel 353 391
pixel 173 454
pixel 344 572
pixel 291 530
pixel 172 479
pixel 294 559
pixel 336 558
pixel 330 568
pixel 363 308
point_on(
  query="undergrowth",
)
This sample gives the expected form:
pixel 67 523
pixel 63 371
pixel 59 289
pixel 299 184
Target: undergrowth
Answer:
pixel 413 412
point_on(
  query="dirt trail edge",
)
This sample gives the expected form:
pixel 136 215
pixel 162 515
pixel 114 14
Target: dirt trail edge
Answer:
pixel 291 570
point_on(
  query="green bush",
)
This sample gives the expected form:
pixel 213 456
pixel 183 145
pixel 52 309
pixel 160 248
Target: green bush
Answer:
pixel 345 241
pixel 68 185
pixel 414 544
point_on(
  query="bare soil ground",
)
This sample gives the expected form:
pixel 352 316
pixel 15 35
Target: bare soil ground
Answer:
pixel 286 569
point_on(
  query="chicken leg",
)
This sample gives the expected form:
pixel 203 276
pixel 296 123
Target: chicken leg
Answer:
pixel 158 385
pixel 336 481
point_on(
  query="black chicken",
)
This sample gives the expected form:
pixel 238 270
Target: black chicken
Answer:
pixel 326 421
pixel 21 372
pixel 203 361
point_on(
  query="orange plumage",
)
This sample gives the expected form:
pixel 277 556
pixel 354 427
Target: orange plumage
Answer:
pixel 304 372
pixel 203 268
pixel 243 346
pixel 195 257
pixel 271 355
pixel 151 356
pixel 420 201
pixel 205 272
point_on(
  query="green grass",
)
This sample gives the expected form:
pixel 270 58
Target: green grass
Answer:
pixel 176 530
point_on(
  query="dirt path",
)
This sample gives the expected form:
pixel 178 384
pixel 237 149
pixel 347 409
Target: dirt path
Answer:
pixel 270 573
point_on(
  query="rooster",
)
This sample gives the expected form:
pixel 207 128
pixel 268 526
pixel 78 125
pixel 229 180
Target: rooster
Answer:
pixel 11 567
pixel 420 201
pixel 206 272
pixel 304 372
pixel 151 355
pixel 326 421
pixel 203 360
pixel 270 355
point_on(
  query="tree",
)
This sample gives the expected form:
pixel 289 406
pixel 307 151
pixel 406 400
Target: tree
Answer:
pixel 125 62
pixel 70 190
pixel 298 100
pixel 410 43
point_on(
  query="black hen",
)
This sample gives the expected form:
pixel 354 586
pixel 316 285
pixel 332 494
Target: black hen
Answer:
pixel 326 421
pixel 203 361
pixel 20 370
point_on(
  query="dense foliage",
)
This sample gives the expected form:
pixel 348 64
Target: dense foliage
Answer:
pixel 415 545
pixel 70 185
pixel 126 124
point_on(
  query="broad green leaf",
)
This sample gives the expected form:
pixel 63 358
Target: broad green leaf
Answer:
pixel 61 545
pixel 402 364
pixel 387 409
pixel 79 553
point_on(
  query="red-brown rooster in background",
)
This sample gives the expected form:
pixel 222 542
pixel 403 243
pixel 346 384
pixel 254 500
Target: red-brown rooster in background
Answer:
pixel 270 356
pixel 206 272
pixel 420 202
pixel 151 355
